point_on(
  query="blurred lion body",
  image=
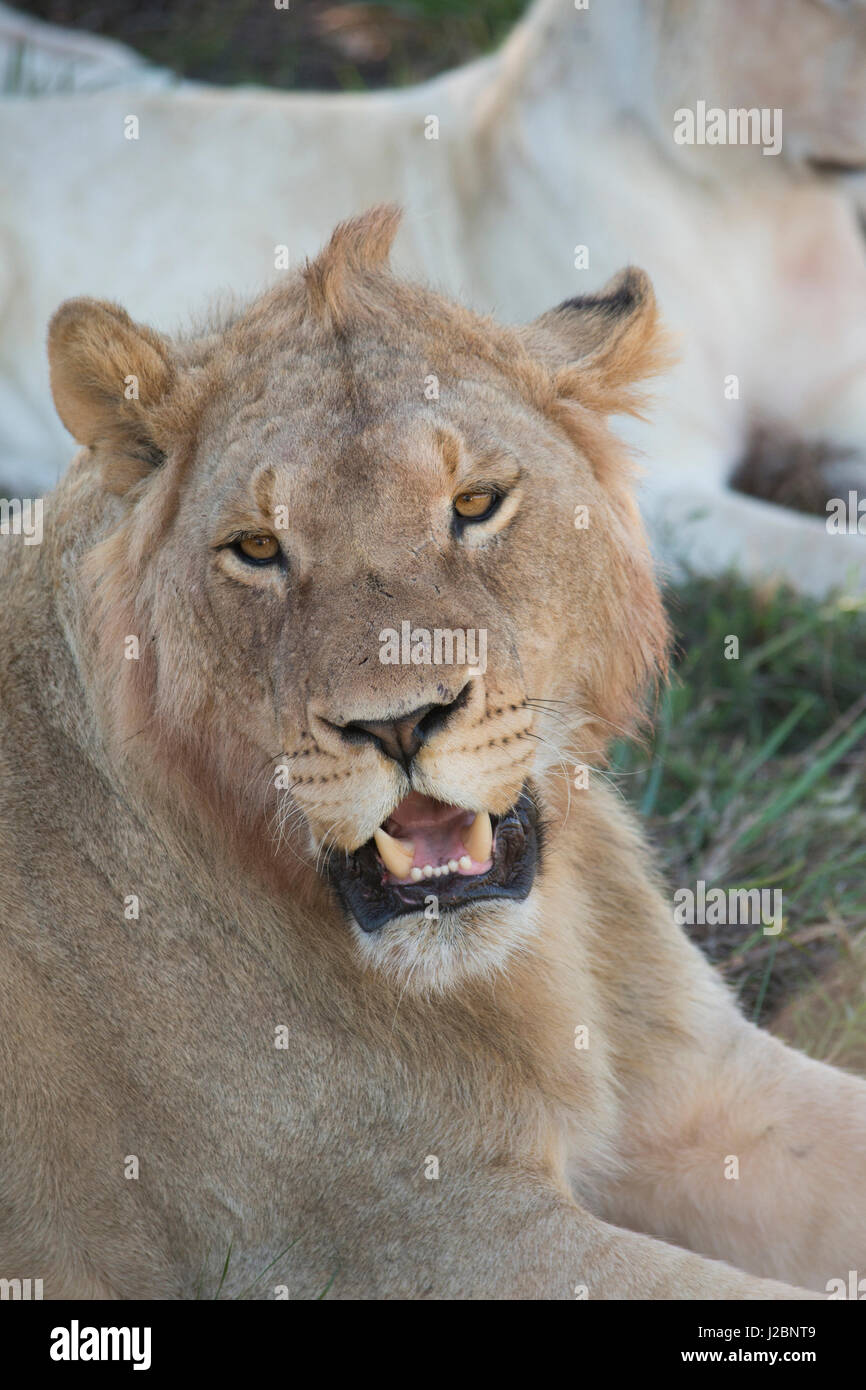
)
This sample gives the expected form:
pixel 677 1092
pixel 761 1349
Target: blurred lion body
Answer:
pixel 200 1052
pixel 527 176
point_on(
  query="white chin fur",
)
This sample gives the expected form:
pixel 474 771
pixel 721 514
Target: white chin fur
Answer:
pixel 433 955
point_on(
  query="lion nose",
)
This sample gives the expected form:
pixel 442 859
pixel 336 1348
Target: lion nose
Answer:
pixel 401 738
pixel 398 738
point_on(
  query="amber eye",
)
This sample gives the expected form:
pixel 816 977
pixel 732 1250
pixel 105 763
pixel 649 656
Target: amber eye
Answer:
pixel 476 506
pixel 261 550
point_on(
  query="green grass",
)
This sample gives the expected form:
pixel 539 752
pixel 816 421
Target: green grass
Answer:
pixel 256 1288
pixel 829 1020
pixel 756 776
pixel 314 44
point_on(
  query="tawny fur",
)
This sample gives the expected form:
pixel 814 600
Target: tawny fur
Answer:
pixel 154 776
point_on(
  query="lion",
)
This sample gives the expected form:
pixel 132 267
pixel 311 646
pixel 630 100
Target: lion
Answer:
pixel 316 957
pixel 591 139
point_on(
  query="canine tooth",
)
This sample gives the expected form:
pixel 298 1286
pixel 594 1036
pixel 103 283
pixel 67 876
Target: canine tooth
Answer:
pixel 415 875
pixel 478 840
pixel 427 871
pixel 464 862
pixel 396 855
pixel 452 865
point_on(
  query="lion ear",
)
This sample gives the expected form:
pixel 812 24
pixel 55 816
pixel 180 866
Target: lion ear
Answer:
pixel 107 375
pixel 598 346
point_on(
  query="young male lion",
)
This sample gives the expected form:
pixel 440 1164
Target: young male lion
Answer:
pixel 303 947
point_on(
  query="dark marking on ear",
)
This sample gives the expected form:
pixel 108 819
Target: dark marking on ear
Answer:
pixel 624 299
pixel 599 345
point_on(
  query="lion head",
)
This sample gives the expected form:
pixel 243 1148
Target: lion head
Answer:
pixel 360 578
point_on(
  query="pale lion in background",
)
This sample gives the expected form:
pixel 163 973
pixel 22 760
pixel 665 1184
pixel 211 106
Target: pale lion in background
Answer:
pixel 564 139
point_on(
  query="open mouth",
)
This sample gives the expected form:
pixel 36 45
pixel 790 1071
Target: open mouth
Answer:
pixel 425 847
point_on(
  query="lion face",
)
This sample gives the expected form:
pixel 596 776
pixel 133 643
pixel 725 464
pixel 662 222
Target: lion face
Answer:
pixel 387 577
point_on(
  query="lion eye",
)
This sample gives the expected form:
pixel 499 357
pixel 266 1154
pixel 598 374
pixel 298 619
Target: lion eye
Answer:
pixel 476 506
pixel 261 550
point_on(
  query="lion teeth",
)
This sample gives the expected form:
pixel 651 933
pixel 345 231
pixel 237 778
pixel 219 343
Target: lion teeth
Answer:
pixel 478 840
pixel 396 855
pixel 437 870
